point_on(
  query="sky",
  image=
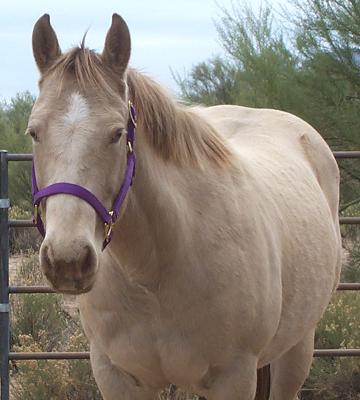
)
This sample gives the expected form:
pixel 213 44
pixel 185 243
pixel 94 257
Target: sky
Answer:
pixel 167 35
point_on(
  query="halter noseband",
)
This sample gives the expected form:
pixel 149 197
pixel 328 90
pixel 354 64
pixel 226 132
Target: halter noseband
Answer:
pixel 108 217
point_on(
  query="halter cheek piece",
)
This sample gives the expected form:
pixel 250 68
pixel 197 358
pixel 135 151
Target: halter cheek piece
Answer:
pixel 108 217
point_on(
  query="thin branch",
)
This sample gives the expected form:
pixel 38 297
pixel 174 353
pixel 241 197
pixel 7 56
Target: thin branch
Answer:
pixel 347 205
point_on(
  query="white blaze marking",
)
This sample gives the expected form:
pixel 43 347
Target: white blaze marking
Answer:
pixel 78 110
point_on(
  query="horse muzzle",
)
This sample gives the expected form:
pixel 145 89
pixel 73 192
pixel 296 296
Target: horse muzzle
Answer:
pixel 69 268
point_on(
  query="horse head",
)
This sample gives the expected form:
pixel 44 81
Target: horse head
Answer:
pixel 79 126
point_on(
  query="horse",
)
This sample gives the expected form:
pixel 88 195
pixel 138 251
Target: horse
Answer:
pixel 226 249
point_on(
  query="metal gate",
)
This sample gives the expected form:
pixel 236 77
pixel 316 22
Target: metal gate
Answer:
pixel 6 290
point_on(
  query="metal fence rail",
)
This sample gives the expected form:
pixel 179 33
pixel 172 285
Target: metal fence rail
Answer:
pixel 4 277
pixel 6 290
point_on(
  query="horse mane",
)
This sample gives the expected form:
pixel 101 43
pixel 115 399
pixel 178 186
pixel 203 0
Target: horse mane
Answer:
pixel 173 130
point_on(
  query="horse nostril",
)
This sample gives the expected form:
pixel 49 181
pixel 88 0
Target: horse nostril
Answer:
pixel 47 260
pixel 88 260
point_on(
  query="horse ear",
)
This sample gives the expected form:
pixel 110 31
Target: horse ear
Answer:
pixel 45 45
pixel 116 53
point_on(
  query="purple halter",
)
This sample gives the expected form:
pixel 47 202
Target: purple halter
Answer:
pixel 108 217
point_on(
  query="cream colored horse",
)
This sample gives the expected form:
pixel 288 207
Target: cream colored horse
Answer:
pixel 228 249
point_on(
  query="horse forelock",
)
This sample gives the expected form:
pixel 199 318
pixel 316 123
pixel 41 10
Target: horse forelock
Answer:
pixel 89 71
pixel 173 130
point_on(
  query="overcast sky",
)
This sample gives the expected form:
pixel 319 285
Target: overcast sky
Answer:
pixel 166 34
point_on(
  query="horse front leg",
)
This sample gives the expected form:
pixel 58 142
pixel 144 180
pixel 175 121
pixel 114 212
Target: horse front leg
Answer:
pixel 236 381
pixel 289 372
pixel 114 383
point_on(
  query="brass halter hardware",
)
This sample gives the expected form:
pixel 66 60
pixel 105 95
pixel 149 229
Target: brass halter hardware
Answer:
pixel 109 227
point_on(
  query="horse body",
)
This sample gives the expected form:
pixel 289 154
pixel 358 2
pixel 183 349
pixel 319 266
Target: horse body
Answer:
pixel 228 247
pixel 235 271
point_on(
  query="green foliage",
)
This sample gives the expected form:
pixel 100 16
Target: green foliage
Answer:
pixel 327 36
pixel 173 393
pixel 257 71
pixel 351 270
pixel 330 29
pixel 13 123
pixel 22 240
pixel 351 246
pixel 38 316
pixel 336 378
pixel 212 83
pixel 258 52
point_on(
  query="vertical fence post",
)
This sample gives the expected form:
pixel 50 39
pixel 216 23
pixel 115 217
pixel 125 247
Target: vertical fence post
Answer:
pixel 4 277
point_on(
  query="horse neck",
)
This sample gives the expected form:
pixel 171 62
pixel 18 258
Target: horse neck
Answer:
pixel 153 221
pixel 178 154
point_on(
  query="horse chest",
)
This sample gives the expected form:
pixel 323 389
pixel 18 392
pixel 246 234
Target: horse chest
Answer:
pixel 133 350
pixel 127 339
pixel 151 355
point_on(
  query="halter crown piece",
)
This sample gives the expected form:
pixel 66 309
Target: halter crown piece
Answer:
pixel 108 217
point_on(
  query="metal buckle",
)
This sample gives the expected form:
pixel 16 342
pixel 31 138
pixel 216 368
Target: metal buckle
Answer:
pixel 109 227
pixel 130 148
pixel 131 116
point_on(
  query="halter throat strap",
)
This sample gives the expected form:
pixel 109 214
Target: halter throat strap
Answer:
pixel 108 217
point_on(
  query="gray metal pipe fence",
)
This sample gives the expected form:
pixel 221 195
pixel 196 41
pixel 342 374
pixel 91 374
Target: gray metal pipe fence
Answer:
pixel 6 289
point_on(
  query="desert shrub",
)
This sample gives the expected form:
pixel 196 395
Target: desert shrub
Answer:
pixel 14 116
pixel 337 378
pixel 81 384
pixel 173 393
pixel 37 379
pixel 22 240
pixel 351 269
pixel 53 379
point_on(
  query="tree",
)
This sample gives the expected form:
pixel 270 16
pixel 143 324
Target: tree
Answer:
pixel 13 122
pixel 330 28
pixel 328 40
pixel 256 69
pixel 311 71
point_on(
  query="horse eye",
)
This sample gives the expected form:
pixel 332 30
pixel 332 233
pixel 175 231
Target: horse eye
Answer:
pixel 32 133
pixel 117 135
